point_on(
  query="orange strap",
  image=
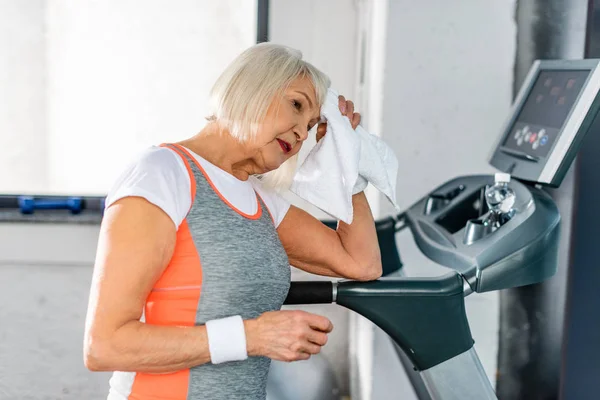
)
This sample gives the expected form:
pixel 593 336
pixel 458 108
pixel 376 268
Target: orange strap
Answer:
pixel 258 213
pixel 175 148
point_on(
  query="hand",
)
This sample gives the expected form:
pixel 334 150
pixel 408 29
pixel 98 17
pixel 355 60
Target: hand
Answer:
pixel 286 335
pixel 347 109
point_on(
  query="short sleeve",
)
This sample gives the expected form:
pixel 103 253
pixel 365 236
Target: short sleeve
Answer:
pixel 276 204
pixel 160 176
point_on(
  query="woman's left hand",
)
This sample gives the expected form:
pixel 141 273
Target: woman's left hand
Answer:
pixel 347 109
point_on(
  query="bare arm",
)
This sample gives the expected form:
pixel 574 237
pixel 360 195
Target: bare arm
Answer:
pixel 136 243
pixel 352 251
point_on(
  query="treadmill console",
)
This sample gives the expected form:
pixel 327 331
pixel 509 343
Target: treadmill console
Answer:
pixel 454 226
pixel 489 256
pixel 557 105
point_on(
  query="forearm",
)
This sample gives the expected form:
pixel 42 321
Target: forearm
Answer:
pixel 359 239
pixel 141 347
pixel 350 251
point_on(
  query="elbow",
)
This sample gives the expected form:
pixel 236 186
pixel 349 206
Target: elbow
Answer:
pixel 92 363
pixel 370 273
pixel 96 355
pixel 104 349
pixel 376 274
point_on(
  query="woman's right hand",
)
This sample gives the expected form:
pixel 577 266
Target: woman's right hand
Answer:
pixel 286 335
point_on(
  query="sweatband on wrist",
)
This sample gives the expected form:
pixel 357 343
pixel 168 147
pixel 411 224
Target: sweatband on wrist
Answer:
pixel 226 339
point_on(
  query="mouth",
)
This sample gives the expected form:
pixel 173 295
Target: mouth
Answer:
pixel 285 146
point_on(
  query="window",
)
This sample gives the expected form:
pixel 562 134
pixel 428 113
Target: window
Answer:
pixel 86 85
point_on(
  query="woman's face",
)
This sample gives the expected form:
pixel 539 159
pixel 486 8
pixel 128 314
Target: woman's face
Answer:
pixel 286 125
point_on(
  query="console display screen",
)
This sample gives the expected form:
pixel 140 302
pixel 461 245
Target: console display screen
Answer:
pixel 545 111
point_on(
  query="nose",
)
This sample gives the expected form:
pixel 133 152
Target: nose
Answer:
pixel 301 132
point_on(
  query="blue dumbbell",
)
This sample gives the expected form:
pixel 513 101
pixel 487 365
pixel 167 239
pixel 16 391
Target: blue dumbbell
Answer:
pixel 29 204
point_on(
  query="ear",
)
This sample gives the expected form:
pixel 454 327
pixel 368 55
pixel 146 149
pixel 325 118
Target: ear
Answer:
pixel 321 131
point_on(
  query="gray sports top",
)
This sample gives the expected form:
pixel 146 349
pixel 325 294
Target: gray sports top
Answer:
pixel 225 263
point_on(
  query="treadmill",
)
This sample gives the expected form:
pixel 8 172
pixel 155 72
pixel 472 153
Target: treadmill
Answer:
pixel 483 248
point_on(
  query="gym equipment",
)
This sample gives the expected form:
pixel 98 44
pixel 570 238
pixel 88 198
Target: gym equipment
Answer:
pixel 51 209
pixel 490 233
pixel 28 204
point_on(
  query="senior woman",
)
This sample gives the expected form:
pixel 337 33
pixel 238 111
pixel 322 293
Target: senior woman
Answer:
pixel 194 251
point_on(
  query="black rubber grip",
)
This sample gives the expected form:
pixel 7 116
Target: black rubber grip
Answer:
pixel 319 292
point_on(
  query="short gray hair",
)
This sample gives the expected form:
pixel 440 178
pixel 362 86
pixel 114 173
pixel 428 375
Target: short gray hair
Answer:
pixel 241 96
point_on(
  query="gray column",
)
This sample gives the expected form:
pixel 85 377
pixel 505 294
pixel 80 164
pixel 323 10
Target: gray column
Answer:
pixel 581 348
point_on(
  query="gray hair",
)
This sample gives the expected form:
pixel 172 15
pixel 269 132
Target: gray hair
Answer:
pixel 241 96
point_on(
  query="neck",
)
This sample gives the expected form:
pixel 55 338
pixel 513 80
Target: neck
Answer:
pixel 218 147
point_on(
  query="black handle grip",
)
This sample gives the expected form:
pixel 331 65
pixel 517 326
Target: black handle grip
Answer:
pixel 319 292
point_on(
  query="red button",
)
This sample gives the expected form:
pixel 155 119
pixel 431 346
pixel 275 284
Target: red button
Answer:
pixel 532 138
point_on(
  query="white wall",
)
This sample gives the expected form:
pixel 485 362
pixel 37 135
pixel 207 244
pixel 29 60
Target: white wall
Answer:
pixel 22 88
pixel 326 32
pixel 126 74
pixel 448 87
pixel 109 76
pixel 448 80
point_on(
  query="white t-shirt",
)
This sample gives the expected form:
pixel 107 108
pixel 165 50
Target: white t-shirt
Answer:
pixel 160 176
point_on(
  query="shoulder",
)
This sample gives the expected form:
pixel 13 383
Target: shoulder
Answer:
pixel 155 168
pixel 159 175
pixel 159 158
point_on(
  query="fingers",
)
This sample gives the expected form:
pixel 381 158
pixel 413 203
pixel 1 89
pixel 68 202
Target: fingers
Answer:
pixel 319 323
pixel 318 338
pixel 346 106
pixel 302 357
pixel 347 109
pixel 355 120
pixel 342 104
pixel 304 352
pixel 304 346
pixel 292 335
pixel 312 348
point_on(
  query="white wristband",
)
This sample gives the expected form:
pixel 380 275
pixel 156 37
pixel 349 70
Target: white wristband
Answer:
pixel 226 339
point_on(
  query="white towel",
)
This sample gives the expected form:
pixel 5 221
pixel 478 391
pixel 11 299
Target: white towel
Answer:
pixel 343 163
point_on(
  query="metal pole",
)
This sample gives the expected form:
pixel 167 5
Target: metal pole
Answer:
pixel 581 349
pixel 262 21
